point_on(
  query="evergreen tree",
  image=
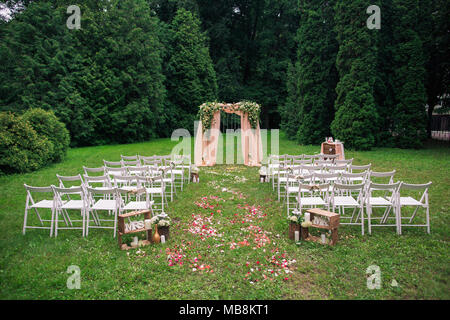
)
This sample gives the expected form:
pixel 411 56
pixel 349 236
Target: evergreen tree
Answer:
pixel 409 120
pixel 317 49
pixel 356 116
pixel 191 79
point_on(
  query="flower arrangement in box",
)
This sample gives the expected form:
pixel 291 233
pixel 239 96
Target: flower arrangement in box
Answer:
pixel 163 223
pixel 295 221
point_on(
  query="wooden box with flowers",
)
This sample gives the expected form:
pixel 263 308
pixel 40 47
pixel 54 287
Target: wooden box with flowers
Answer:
pixel 162 225
pixel 295 224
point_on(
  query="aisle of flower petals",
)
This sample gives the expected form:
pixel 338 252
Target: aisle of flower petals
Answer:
pixel 229 231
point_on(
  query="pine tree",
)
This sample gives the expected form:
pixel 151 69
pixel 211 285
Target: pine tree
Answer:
pixel 409 121
pixel 356 116
pixel 316 71
pixel 191 79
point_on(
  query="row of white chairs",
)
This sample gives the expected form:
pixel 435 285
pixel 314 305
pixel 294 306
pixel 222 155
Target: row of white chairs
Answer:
pixel 88 201
pixel 368 195
pixel 283 176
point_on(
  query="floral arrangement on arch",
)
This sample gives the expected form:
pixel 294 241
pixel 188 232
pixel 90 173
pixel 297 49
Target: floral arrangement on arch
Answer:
pixel 161 220
pixel 207 110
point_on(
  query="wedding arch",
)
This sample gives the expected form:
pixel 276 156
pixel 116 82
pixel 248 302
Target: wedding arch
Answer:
pixel 208 132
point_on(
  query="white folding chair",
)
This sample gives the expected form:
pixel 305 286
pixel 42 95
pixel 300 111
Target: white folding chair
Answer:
pixel 64 207
pixel 293 187
pixel 382 177
pixel 175 170
pixel 46 203
pixel 100 200
pixel 349 196
pixel 125 182
pixel 184 161
pixel 155 188
pixel 313 196
pixel 280 172
pixel 327 177
pixel 381 201
pixel 338 169
pixel 420 201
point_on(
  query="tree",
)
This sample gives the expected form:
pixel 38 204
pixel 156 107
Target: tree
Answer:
pixel 409 120
pixel 356 116
pixel 317 76
pixel 191 79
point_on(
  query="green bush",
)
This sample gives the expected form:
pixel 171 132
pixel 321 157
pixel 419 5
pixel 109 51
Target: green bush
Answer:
pixel 21 148
pixel 46 124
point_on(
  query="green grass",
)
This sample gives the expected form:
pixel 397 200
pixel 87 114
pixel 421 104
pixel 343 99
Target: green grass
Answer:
pixel 34 266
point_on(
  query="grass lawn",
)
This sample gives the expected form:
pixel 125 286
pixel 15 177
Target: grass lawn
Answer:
pixel 244 251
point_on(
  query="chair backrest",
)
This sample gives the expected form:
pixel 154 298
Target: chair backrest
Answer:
pixel 131 163
pixel 347 162
pixel 342 168
pixel 114 171
pixel 112 163
pixel 137 171
pixel 347 177
pixel 152 161
pixel 327 177
pixel 353 168
pixel 93 192
pixel 151 181
pixel 381 175
pixel 390 187
pixel 311 157
pixel 129 158
pixel 324 162
pixel 122 181
pixel 105 181
pixel 60 192
pixel 40 190
pixel 63 179
pixel 89 171
pixel 312 168
pixel 357 190
pixel 301 162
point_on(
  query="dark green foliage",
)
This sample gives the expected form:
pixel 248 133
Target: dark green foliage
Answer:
pixel 356 116
pixel 47 125
pixel 409 120
pixel 310 107
pixel 191 79
pixel 104 81
pixel 21 148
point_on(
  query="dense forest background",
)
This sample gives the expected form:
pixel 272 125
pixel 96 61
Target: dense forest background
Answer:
pixel 138 69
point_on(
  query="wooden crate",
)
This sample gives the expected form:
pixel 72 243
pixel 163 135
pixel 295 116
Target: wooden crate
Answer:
pixel 121 225
pixel 333 225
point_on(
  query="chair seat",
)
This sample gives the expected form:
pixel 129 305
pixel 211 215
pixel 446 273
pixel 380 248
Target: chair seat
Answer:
pixel 129 188
pixel 45 204
pixel 346 201
pixel 73 204
pixel 177 172
pixel 379 201
pixel 296 190
pixel 409 201
pixel 138 205
pixel 312 201
pixel 154 190
pixel 104 205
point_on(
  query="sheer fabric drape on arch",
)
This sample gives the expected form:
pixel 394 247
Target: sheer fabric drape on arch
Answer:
pixel 206 143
